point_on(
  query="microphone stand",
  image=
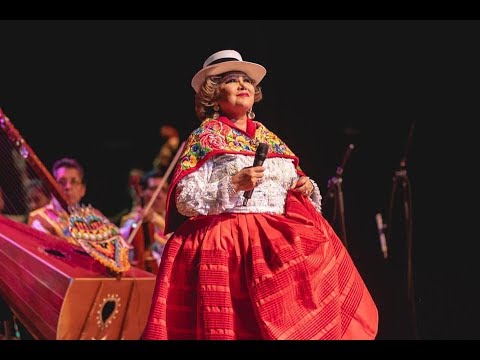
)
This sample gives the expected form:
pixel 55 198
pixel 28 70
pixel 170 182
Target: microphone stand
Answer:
pixel 402 182
pixel 334 192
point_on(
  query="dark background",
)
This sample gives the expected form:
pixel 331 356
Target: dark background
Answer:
pixel 99 91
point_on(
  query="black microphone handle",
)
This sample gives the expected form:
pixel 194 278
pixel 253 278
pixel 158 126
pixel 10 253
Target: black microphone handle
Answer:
pixel 248 194
pixel 260 156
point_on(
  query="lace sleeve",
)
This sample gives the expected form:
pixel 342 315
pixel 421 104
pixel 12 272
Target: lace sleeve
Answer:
pixel 316 197
pixel 200 193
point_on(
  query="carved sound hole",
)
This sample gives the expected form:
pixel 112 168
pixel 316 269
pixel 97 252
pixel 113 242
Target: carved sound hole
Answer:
pixel 107 310
pixel 55 253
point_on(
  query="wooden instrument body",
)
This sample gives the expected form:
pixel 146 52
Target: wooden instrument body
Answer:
pixel 142 245
pixel 60 292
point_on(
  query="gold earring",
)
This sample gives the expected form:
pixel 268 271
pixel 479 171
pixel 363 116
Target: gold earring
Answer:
pixel 251 114
pixel 216 114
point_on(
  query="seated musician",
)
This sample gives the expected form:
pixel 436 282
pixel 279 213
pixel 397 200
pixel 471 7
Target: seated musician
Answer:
pixel 169 148
pixel 52 218
pixel 36 197
pixel 147 250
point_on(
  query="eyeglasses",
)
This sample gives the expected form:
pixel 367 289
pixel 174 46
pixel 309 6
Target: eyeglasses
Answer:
pixel 73 182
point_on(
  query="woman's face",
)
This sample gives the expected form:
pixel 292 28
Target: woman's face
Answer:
pixel 236 94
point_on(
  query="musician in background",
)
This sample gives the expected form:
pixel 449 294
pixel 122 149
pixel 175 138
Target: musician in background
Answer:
pixel 36 196
pixel 4 211
pixel 134 177
pixel 170 146
pixel 52 218
pixel 147 248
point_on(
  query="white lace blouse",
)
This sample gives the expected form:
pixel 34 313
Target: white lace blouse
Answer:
pixel 209 190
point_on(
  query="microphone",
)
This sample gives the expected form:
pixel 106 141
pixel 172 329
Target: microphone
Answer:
pixel 260 156
pixel 381 233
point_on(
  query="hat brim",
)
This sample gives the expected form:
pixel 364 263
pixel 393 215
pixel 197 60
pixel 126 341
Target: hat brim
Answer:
pixel 255 71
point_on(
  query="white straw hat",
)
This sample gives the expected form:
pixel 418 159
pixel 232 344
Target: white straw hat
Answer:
pixel 224 61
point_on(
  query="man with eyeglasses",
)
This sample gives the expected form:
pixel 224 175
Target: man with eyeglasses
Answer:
pixel 52 218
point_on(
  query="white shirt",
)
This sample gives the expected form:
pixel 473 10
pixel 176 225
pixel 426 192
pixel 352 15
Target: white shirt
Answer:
pixel 209 190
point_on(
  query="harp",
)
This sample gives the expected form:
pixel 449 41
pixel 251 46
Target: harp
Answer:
pixel 56 289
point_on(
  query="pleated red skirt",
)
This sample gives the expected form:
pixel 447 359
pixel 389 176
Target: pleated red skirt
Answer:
pixel 260 276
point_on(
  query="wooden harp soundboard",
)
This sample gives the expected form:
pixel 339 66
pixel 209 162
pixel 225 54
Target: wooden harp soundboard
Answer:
pixel 56 289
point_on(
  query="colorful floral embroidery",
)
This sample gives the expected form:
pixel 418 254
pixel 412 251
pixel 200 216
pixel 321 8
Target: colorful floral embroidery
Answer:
pixel 214 136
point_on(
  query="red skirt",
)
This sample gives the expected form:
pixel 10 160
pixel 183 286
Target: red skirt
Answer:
pixel 260 276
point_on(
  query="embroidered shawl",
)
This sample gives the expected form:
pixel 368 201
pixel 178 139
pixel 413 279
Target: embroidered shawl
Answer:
pixel 215 137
